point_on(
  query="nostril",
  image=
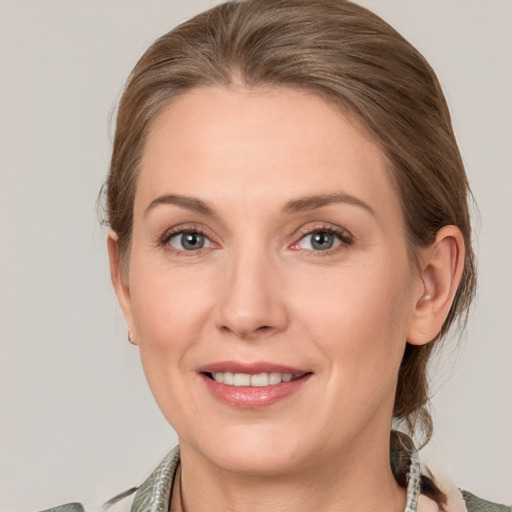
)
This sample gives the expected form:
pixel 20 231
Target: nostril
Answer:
pixel 246 332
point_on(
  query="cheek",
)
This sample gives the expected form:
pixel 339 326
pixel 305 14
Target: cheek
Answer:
pixel 359 318
pixel 169 307
pixel 170 311
pixel 360 327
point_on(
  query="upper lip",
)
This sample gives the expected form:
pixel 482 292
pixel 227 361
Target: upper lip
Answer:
pixel 250 368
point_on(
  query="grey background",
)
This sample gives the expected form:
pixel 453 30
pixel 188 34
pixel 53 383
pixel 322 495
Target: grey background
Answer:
pixel 77 419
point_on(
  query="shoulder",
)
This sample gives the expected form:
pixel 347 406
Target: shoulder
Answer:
pixel 122 504
pixel 69 507
pixel 153 494
pixel 457 498
pixel 475 504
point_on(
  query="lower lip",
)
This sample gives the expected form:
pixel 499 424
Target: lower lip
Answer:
pixel 249 397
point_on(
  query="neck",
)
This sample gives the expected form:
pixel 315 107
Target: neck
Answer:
pixel 352 480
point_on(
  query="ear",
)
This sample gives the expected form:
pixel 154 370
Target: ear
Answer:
pixel 120 281
pixel 442 264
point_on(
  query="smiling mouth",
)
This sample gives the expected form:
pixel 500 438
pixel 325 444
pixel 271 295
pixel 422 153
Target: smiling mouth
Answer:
pixel 257 380
pixel 252 385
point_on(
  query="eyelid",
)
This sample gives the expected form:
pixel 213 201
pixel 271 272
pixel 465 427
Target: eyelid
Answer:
pixel 346 238
pixel 180 234
pixel 164 238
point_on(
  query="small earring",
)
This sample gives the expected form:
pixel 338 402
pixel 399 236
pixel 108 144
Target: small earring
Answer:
pixel 130 338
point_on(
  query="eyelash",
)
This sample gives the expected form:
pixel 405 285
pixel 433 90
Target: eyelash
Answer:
pixel 343 235
pixel 164 240
pixel 345 238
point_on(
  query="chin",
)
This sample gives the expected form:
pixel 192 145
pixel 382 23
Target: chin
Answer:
pixel 261 450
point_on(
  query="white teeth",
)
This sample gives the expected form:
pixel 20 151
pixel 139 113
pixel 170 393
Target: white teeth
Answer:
pixel 255 380
pixel 274 378
pixel 259 380
pixel 242 379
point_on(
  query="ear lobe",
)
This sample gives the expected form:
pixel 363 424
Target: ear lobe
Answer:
pixel 442 266
pixel 119 280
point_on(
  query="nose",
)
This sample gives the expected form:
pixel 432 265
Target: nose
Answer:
pixel 251 304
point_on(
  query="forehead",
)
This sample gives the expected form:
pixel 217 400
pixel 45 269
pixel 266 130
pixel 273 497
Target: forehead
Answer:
pixel 260 145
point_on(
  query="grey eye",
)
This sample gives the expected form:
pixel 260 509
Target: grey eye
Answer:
pixel 320 241
pixel 189 241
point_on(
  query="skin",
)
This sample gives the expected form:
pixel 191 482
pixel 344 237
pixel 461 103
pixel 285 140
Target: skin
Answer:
pixel 259 291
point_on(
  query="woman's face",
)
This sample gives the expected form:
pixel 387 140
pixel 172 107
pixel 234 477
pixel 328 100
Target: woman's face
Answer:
pixel 268 245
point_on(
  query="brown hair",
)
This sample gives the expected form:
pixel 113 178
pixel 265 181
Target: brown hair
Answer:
pixel 349 56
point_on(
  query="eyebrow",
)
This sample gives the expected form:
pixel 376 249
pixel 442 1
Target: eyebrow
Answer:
pixel 189 203
pixel 317 201
pixel 299 205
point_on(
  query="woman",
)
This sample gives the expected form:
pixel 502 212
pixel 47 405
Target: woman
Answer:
pixel 289 241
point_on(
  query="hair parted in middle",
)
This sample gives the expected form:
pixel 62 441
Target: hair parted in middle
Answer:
pixel 351 58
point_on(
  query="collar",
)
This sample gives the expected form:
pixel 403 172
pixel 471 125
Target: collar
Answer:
pixel 154 495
